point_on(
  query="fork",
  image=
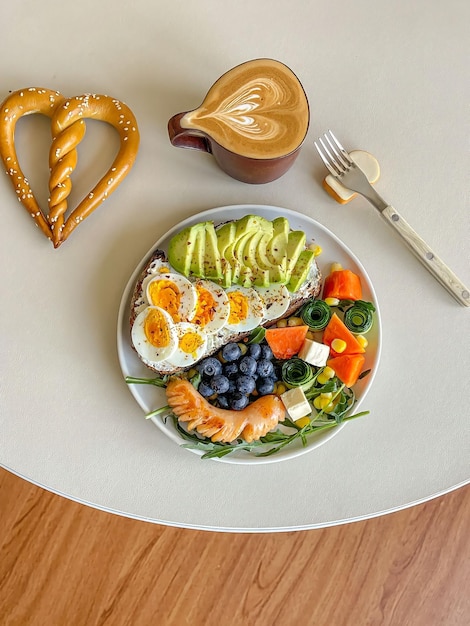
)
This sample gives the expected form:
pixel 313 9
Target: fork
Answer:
pixel 342 167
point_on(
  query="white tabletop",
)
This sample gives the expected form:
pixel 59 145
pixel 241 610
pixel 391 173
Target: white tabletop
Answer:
pixel 390 78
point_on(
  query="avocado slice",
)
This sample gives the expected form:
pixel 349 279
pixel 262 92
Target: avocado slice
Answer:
pixel 196 267
pixel 261 256
pixel 212 264
pixel 301 270
pixel 181 248
pixel 295 244
pixel 251 223
pixel 234 255
pixel 232 258
pixel 226 279
pixel 225 236
pixel 251 273
pixel 276 248
pixel 277 273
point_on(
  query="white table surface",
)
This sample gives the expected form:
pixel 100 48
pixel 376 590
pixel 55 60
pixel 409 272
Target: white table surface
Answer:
pixel 390 78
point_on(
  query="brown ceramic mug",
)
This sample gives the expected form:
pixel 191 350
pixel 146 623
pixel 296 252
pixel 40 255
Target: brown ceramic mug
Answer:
pixel 253 120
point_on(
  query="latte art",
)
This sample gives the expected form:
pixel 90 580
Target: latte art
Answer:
pixel 257 109
pixel 247 112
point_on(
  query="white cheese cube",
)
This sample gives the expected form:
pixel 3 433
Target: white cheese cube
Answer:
pixel 314 353
pixel 296 403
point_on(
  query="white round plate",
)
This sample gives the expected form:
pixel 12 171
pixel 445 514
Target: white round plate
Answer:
pixel 150 397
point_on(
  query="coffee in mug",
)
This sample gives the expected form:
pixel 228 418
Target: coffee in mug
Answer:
pixel 253 119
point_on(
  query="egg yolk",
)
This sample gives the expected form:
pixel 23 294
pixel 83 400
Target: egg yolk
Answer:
pixel 156 329
pixel 205 307
pixel 190 342
pixel 166 295
pixel 238 307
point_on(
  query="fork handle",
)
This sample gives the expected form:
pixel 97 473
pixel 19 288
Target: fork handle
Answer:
pixel 428 258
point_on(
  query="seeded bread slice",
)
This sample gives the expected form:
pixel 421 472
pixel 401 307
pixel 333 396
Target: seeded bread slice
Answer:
pixel 158 263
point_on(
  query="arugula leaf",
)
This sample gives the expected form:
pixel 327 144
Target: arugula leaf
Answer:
pixel 158 381
pixel 277 439
pixel 256 335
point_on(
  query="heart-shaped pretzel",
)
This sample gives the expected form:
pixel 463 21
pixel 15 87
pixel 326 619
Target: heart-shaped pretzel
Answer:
pixel 66 125
pixel 19 103
pixel 68 128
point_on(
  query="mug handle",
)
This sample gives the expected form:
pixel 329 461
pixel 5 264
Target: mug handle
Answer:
pixel 184 138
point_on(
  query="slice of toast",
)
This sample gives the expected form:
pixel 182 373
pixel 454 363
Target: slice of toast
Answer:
pixel 158 263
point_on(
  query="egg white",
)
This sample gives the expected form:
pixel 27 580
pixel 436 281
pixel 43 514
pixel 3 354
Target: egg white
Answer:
pixel 179 358
pixel 186 289
pixel 150 353
pixel 256 310
pixel 276 300
pixel 222 309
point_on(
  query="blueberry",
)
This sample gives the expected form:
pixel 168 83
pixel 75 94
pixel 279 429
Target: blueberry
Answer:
pixel 232 385
pixel 205 390
pixel 265 386
pixel 238 401
pixel 231 352
pixel 255 350
pixel 210 366
pixel 265 368
pixel 266 352
pixel 220 383
pixel 247 365
pixel 230 369
pixel 223 402
pixel 245 384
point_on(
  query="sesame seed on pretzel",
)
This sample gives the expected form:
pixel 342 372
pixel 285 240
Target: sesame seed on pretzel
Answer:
pixel 17 104
pixel 67 128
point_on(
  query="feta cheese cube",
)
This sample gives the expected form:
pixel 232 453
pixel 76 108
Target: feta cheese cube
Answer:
pixel 296 403
pixel 314 353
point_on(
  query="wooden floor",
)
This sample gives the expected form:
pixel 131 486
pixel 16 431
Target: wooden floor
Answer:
pixel 62 563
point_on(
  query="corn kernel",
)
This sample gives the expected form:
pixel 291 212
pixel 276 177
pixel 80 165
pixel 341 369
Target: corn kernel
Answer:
pixel 303 421
pixel 328 395
pixel 295 321
pixel 325 375
pixel 280 388
pixel 243 347
pixel 316 249
pixel 332 301
pixel 331 406
pixel 310 335
pixel 320 403
pixel 362 341
pixel 281 323
pixel 338 345
pixel 192 372
pixel 336 267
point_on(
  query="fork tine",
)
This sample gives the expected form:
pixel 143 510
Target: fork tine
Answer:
pixel 335 162
pixel 345 164
pixel 329 167
pixel 343 152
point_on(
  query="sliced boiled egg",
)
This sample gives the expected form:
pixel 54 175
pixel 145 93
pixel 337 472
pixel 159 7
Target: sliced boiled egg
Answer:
pixel 173 293
pixel 154 334
pixel 276 300
pixel 192 343
pixel 246 309
pixel 212 306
